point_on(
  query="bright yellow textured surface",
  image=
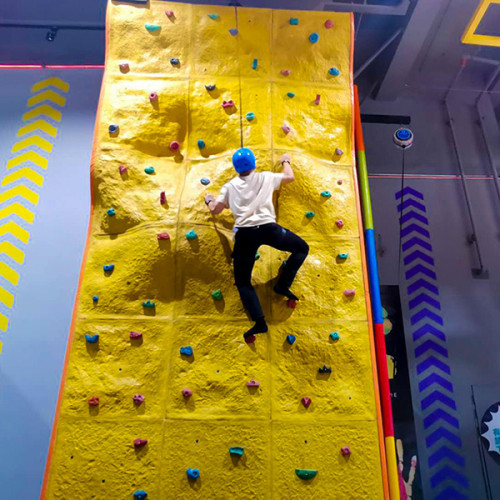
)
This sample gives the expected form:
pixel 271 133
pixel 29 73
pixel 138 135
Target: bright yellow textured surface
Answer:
pixel 94 455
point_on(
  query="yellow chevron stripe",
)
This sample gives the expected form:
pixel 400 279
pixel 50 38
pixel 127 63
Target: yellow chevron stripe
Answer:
pixel 23 191
pixel 17 209
pixel 50 82
pixel 4 323
pixel 34 140
pixel 48 95
pixel 16 230
pixel 13 252
pixel 27 172
pixel 44 109
pixel 8 273
pixel 32 156
pixel 39 124
pixel 6 297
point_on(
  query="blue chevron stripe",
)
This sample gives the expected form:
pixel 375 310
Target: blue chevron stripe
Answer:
pixel 411 203
pixel 416 241
pixel 417 254
pixel 423 297
pixel 432 379
pixel 443 433
pixel 414 228
pixel 448 473
pixel 421 283
pixel 413 215
pixel 409 190
pixel 430 362
pixel 427 328
pixel 435 397
pixel 419 268
pixel 429 345
pixel 438 415
pixel 451 493
pixel 445 453
pixel 425 313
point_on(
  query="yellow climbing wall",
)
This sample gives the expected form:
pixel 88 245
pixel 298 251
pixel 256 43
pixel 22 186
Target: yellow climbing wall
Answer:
pixel 93 454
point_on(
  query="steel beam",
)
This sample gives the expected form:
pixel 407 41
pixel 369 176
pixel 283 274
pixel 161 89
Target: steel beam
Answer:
pixel 382 10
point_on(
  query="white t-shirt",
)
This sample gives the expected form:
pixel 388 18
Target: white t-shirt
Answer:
pixel 250 198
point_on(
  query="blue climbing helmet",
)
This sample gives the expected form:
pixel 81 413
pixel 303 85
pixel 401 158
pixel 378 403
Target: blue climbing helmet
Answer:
pixel 243 160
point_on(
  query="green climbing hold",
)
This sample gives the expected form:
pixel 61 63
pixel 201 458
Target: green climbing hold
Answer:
pixel 335 336
pixel 149 170
pixel 257 256
pixel 236 450
pixel 213 16
pixel 294 21
pixel 306 473
pixel 217 295
pixel 148 303
pixel 310 215
pixel 343 256
pixel 250 116
pixel 326 194
pixel 153 27
pixel 191 235
pixel 290 94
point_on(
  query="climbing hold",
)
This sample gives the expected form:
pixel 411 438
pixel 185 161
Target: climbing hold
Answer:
pixel 210 87
pixel 350 292
pixel 95 298
pixel 326 194
pixel 170 14
pixel 250 339
pixel 217 295
pixel 108 268
pixel 138 399
pixel 227 104
pixel 257 256
pixel 306 402
pixel 163 198
pixel 174 146
pixel 135 335
pixel 345 450
pixel 191 235
pixel 285 128
pixel 187 393
pixel 94 401
pixel 153 97
pixel 328 24
pixel 148 303
pixel 236 450
pixel 250 116
pixel 253 383
pixel 92 339
pixel 124 67
pixel 283 263
pixel 343 256
pixel 205 181
pixel 187 351
pixel 339 152
pixel 113 128
pixel 310 215
pixel 290 94
pixel 306 473
pixel 317 100
pixel 339 223
pixel 335 336
pixel 294 21
pixel 149 170
pixel 290 339
pixel 162 236
pixel 193 473
pixel 122 169
pixel 340 182
pixel 213 16
pixel 325 369
pixel 285 72
pixel 152 27
pixel 111 212
pixel 334 71
pixel 201 144
pixel 292 303
pixel 140 495
pixel 313 37
pixel 139 443
pixel 255 63
pixel 233 31
pixel 174 61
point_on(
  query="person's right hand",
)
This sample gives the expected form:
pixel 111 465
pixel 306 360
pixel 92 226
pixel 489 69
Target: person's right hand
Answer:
pixel 285 157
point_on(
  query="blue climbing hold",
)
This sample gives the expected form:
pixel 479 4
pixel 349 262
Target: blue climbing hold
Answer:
pixel 335 336
pixel 334 72
pixel 250 116
pixel 108 268
pixel 310 214
pixel 313 37
pixel 152 27
pixel 111 212
pixel 113 128
pixel 213 16
pixel 205 181
pixel 187 351
pixel 255 63
pixel 140 495
pixel 326 194
pixel 325 369
pixel 149 170
pixel 294 21
pixel 95 298
pixel 148 303
pixel 92 339
pixel 191 235
pixel 210 87
pixel 236 450
pixel 193 473
pixel 290 94
pixel 174 61
pixel 233 31
pixel 290 339
pixel 201 144
pixel 343 256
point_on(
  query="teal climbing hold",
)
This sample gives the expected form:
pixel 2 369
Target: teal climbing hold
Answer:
pixel 140 495
pixel 148 303
pixel 236 450
pixel 111 212
pixel 250 116
pixel 343 256
pixel 310 214
pixel 255 63
pixel 191 235
pixel 326 194
pixel 294 21
pixel 290 94
pixel 201 144
pixel 217 294
pixel 213 16
pixel 257 256
pixel 334 71
pixel 313 37
pixel 306 473
pixel 283 263
pixel 152 27
pixel 149 170
pixel 335 336
pixel 92 339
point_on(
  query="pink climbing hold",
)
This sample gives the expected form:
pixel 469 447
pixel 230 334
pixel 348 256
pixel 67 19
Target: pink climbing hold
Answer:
pixel 122 169
pixel 153 97
pixel 345 450
pixel 250 339
pixel 285 128
pixel 253 383
pixel 163 236
pixel 174 146
pixel 139 443
pixel 339 152
pixel 187 393
pixel 306 402
pixel 285 72
pixel 291 303
pixel 318 97
pixel 138 399
pixel 135 335
pixel 163 198
pixel 339 223
pixel 94 401
pixel 169 13
pixel 350 292
pixel 227 104
pixel 328 24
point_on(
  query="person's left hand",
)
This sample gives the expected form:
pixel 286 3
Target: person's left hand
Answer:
pixel 209 198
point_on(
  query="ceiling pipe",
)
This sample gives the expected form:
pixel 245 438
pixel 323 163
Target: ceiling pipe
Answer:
pixel 401 9
pixel 58 25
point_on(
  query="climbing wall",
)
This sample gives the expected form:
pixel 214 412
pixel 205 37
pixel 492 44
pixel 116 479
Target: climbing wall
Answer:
pixel 184 87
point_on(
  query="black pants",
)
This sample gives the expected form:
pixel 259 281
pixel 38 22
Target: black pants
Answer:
pixel 247 242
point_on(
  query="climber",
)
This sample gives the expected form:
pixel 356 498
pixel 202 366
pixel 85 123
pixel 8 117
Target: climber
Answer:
pixel 250 198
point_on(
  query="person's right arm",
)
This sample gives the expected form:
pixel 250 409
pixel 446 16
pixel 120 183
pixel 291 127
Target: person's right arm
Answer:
pixel 287 169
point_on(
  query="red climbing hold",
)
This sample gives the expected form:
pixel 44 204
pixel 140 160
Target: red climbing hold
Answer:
pixel 187 393
pixel 163 198
pixel 328 24
pixel 163 236
pixel 250 339
pixel 174 146
pixel 285 72
pixel 139 443
pixel 122 169
pixel 138 399
pixel 169 13
pixel 350 292
pixel 285 128
pixel 306 402
pixel 124 67
pixel 345 450
pixel 94 401
pixel 135 335
pixel 339 223
pixel 291 303
pixel 227 104
pixel 340 182
pixel 318 98
pixel 253 383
